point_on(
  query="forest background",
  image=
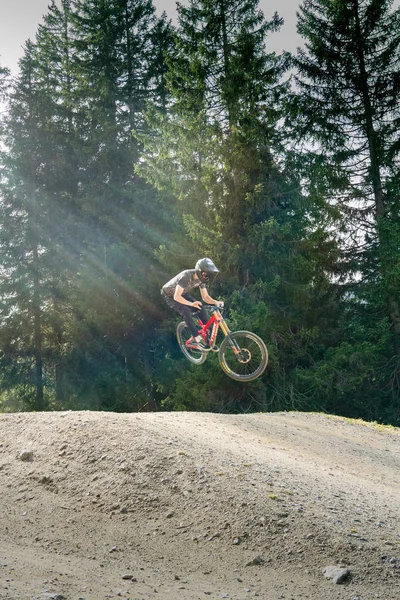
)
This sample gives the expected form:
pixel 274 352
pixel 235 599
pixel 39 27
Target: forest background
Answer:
pixel 130 147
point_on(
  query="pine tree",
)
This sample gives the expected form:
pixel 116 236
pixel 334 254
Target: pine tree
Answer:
pixel 222 113
pixel 219 150
pixel 119 70
pixel 42 135
pixel 22 242
pixel 347 107
pixel 92 225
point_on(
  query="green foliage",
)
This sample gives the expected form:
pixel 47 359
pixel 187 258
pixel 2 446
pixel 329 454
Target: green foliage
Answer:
pixel 206 389
pixel 346 109
pixel 133 147
pixel 81 229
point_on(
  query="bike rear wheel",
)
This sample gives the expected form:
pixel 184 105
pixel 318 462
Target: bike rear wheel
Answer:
pixel 243 356
pixel 197 357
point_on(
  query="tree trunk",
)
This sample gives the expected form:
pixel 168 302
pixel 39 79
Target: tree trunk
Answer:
pixel 37 336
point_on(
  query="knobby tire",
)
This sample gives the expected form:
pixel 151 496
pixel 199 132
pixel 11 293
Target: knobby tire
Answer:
pixel 252 360
pixel 197 357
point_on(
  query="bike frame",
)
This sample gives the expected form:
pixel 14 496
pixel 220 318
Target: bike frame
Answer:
pixel 215 321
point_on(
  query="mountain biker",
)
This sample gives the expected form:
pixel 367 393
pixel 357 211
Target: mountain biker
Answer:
pixel 175 293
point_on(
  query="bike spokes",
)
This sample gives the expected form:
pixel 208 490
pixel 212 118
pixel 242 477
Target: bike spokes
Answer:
pixel 243 356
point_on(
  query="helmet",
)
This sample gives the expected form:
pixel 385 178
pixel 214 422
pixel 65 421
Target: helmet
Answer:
pixel 204 268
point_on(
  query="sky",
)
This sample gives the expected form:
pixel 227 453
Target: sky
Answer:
pixel 19 20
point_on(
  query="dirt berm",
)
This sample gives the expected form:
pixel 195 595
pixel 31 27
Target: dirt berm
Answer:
pixel 189 506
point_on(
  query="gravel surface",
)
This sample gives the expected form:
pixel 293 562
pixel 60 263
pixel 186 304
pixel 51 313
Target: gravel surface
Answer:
pixel 189 506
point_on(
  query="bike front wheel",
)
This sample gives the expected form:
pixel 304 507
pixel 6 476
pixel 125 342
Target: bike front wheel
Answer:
pixel 197 357
pixel 243 356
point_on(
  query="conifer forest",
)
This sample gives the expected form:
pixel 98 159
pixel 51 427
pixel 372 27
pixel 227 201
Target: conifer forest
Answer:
pixel 131 146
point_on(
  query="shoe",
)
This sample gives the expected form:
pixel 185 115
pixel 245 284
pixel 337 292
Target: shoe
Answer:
pixel 203 347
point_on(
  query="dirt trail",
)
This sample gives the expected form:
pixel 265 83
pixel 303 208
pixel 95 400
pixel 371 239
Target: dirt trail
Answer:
pixel 187 506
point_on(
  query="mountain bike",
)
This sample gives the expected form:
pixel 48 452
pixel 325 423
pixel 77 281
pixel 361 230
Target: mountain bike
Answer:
pixel 242 354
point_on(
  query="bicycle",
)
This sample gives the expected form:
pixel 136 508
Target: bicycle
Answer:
pixel 243 356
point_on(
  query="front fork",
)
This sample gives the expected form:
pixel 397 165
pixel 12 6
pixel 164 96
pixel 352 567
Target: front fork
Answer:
pixel 226 331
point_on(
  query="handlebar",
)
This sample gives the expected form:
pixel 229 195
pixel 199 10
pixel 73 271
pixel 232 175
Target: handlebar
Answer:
pixel 213 308
pixel 210 307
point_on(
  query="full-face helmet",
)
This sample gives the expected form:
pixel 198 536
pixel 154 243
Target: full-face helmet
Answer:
pixel 204 268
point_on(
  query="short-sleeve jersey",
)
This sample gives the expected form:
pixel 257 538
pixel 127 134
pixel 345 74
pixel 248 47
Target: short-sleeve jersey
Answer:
pixel 185 279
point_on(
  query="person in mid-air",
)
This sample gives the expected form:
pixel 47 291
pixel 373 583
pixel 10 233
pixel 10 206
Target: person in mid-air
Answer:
pixel 175 293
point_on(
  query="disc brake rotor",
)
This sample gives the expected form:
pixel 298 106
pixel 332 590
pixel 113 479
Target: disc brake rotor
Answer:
pixel 244 356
